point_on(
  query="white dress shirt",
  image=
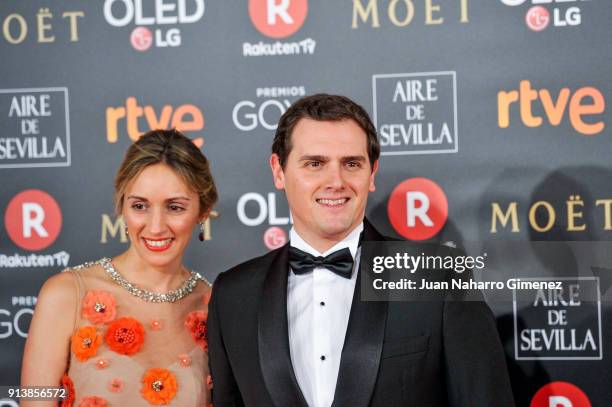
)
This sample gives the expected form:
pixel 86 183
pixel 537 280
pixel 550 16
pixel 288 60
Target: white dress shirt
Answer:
pixel 318 309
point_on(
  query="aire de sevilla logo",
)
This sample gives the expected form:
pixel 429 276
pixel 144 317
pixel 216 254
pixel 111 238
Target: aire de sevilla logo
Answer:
pixel 560 394
pixel 278 18
pixel 33 219
pixel 417 208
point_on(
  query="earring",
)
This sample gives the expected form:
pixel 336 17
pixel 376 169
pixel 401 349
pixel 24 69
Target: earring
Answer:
pixel 126 231
pixel 201 234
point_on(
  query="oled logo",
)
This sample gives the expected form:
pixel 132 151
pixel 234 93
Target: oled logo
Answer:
pixel 565 13
pixel 139 119
pixel 266 109
pixel 559 324
pixel 36 128
pixel 583 103
pixel 33 220
pixel 164 18
pixel 416 113
pixel 255 209
pixel 417 208
pixel 560 394
pixel 278 19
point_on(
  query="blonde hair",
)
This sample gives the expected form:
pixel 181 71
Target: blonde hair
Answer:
pixel 172 148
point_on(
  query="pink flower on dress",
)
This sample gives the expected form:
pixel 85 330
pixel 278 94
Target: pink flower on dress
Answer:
pixel 115 385
pixel 92 401
pixel 196 324
pixel 98 307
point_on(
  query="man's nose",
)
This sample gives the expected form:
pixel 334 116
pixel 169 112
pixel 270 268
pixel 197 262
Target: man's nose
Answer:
pixel 335 177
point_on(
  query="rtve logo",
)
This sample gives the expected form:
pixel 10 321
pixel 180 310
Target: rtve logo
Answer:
pixel 183 118
pixel 33 219
pixel 278 18
pixel 560 394
pixel 583 103
pixel 417 208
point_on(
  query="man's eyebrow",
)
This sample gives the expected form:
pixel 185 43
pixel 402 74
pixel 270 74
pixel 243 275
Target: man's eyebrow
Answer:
pixel 359 158
pixel 314 158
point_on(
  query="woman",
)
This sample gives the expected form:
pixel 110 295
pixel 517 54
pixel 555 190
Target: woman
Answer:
pixel 132 330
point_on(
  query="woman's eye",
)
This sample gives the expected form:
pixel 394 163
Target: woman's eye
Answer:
pixel 138 206
pixel 176 208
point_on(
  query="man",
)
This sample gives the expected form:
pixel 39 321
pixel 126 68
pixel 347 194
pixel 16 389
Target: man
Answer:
pixel 289 329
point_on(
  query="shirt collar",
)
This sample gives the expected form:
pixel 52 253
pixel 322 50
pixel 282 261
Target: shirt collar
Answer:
pixel 351 241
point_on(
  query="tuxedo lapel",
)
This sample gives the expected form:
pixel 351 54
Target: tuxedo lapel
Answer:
pixel 273 336
pixel 362 344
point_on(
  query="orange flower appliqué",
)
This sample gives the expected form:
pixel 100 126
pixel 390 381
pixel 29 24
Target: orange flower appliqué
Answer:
pixel 92 401
pixel 198 327
pixel 85 342
pixel 98 307
pixel 158 386
pixel 125 336
pixel 67 384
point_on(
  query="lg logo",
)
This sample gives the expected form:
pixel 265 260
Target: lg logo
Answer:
pixel 33 219
pixel 417 208
pixel 560 394
pixel 278 18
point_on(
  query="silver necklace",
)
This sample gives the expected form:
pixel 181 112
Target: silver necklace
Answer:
pixel 150 296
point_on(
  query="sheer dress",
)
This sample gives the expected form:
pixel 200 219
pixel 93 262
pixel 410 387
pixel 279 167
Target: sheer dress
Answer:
pixel 125 351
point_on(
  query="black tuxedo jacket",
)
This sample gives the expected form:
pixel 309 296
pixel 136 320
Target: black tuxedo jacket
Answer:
pixel 435 353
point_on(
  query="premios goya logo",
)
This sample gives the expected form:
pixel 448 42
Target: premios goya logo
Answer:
pixel 15 319
pixel 559 324
pixel 278 19
pixel 137 119
pixel 542 13
pixel 33 222
pixel 266 108
pixel 583 107
pixel 36 128
pixel 46 27
pixel 416 113
pixel 157 22
pixel 402 13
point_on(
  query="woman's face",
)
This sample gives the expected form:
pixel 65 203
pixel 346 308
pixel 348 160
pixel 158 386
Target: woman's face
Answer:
pixel 160 212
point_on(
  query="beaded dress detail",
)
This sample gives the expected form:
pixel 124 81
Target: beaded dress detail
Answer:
pixel 134 348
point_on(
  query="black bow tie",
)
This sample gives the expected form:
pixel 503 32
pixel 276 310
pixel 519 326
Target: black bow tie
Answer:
pixel 339 262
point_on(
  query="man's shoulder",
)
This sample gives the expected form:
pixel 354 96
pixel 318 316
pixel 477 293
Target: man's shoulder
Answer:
pixel 251 270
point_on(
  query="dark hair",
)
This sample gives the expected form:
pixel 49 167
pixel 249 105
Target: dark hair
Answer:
pixel 178 152
pixel 323 107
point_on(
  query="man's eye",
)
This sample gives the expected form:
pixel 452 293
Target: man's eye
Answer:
pixel 353 164
pixel 313 164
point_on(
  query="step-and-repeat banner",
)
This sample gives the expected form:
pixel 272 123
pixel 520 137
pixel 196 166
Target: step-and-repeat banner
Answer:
pixel 492 116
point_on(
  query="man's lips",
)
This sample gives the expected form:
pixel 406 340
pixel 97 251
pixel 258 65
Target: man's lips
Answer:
pixel 332 203
pixel 158 245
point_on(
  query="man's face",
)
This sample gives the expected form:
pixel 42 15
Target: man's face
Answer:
pixel 327 178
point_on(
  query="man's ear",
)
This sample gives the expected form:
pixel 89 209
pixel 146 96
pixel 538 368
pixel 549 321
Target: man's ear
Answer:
pixel 372 187
pixel 277 172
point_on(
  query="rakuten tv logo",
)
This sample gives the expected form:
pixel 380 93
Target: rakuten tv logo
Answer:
pixel 560 394
pixel 33 219
pixel 139 119
pixel 417 208
pixel 584 106
pixel 278 18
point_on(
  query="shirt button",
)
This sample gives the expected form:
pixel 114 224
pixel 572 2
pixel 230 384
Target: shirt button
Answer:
pixel 322 357
pixel 322 303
